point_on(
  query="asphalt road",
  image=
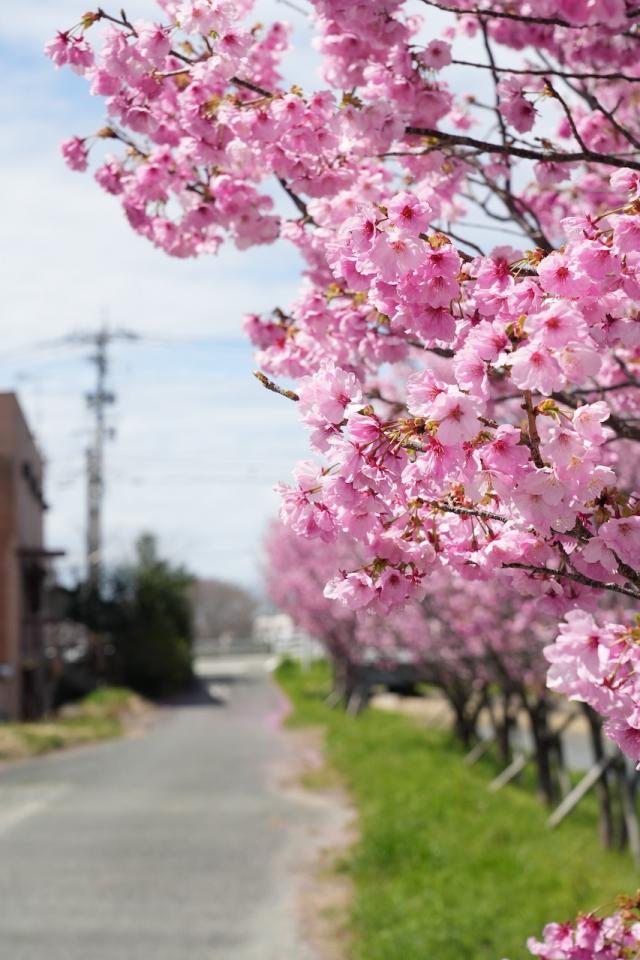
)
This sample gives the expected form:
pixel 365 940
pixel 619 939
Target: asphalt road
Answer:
pixel 175 845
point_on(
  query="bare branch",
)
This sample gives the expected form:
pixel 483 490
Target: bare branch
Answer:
pixel 271 385
pixel 496 79
pixel 548 572
pixel 508 15
pixel 518 209
pixel 454 236
pixel 555 156
pixel 445 352
pixel 300 204
pixel 567 112
pixel 249 85
pixel 534 436
pixel 123 21
pixel 561 74
pixel 467 511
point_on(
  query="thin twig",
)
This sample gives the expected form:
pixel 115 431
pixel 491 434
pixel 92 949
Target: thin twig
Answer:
pixel 456 236
pixel 294 6
pixel 299 202
pixel 467 511
pixel 536 72
pixel 271 385
pixel 249 85
pixel 567 112
pixel 496 80
pixel 123 22
pixel 534 436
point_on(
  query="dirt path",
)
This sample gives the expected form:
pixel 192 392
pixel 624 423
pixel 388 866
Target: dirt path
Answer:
pixel 323 893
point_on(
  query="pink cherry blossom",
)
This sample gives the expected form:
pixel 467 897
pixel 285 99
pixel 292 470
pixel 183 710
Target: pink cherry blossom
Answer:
pixel 535 368
pixel 623 537
pixel 436 54
pixel 408 213
pixel 326 394
pixel 75 154
pixel 558 275
pixel 456 415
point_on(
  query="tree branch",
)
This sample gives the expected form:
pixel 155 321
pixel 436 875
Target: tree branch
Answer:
pixel 467 511
pixel 536 72
pixel 522 18
pixel 496 80
pixel 578 577
pixel 445 352
pixel 248 85
pixel 482 146
pixel 122 22
pixel 299 202
pixel 518 210
pixel 567 112
pixel 271 385
pixel 534 436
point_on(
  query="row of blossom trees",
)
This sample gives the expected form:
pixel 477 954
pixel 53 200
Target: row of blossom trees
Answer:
pixel 477 643
pixel 467 639
pixel 473 411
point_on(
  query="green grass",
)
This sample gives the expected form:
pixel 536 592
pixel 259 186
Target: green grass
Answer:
pixel 445 870
pixel 98 717
pixel 108 697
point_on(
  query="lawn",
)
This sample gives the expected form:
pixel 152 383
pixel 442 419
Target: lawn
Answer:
pixel 100 716
pixel 445 870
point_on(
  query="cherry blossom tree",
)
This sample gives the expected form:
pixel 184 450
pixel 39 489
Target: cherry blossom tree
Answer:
pixel 472 411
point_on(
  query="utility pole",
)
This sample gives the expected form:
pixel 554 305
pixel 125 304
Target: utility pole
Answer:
pixel 98 400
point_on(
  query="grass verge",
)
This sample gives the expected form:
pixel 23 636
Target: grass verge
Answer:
pixel 444 870
pixel 100 716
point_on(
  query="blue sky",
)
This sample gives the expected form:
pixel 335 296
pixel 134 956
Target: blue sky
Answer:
pixel 198 443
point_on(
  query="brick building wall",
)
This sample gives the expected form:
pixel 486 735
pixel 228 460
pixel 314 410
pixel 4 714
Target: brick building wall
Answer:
pixel 22 569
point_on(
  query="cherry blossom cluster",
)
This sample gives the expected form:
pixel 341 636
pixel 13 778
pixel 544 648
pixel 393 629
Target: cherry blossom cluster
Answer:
pixel 599 665
pixel 614 937
pixel 197 105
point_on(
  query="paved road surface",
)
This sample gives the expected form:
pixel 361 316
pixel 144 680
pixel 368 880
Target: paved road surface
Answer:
pixel 171 846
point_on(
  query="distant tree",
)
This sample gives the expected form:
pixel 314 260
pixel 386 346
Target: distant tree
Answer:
pixel 150 616
pixel 222 609
pixel 143 614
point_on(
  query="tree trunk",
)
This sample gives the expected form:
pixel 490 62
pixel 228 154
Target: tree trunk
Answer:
pixel 339 695
pixel 542 745
pixel 462 726
pixel 603 788
pixel 503 726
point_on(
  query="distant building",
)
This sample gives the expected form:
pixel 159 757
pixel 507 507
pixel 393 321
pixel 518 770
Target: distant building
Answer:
pixel 278 633
pixel 24 686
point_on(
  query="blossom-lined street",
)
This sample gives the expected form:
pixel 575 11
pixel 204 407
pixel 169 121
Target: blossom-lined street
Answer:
pixel 421 492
